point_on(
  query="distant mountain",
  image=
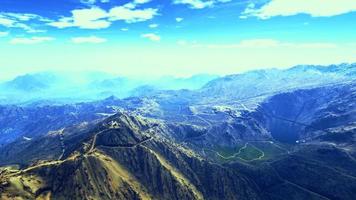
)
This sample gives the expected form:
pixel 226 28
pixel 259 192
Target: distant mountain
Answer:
pixel 205 155
pixel 89 86
pixel 192 83
pixel 267 82
pixel 169 84
pixel 146 90
pixel 270 134
pixel 49 86
pixel 31 82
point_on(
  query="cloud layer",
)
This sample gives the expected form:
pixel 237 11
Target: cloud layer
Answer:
pixel 20 21
pixel 200 4
pixel 314 8
pixel 151 36
pixel 97 18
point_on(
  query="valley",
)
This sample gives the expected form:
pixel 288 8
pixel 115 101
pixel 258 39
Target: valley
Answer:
pixel 231 139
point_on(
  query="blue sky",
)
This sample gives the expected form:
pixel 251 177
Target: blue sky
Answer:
pixel 173 37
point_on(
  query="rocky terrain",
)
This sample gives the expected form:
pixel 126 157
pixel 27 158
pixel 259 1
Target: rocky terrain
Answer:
pixel 124 157
pixel 244 136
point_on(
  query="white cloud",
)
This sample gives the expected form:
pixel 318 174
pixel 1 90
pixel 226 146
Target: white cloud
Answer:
pixel 4 34
pixel 151 36
pixel 314 8
pixel 90 39
pixel 90 2
pixel 153 25
pixel 97 18
pixel 131 15
pixel 200 4
pixel 141 1
pixel 179 19
pixel 124 29
pixel 92 18
pixel 63 22
pixel 15 20
pixel 23 16
pixel 134 3
pixel 31 40
pixel 195 4
pixel 26 16
pixel 6 22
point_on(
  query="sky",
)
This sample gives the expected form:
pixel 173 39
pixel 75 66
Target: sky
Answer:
pixel 173 37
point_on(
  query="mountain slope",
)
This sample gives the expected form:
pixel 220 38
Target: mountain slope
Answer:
pixel 294 143
pixel 273 81
pixel 126 158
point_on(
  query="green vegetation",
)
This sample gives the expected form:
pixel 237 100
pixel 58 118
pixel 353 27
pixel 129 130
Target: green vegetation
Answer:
pixel 270 149
pixel 246 152
pixel 250 153
pixel 228 151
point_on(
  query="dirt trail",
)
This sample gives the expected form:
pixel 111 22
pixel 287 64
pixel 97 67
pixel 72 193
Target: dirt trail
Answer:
pixel 61 138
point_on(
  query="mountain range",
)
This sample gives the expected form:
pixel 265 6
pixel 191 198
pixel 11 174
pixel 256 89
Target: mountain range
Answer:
pixel 265 134
pixel 61 87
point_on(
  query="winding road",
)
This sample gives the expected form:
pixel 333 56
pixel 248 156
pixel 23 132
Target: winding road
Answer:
pixel 235 155
pixel 92 145
pixel 61 138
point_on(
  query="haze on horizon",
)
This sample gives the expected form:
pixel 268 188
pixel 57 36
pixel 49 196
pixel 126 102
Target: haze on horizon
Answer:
pixel 179 38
